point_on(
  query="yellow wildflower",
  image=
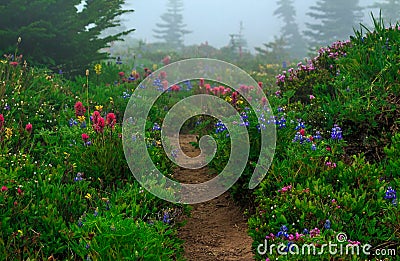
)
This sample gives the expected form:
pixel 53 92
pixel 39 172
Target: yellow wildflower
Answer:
pixel 20 232
pixel 155 67
pixel 97 69
pixel 81 118
pixel 9 133
pixel 88 196
pixel 66 155
pixel 99 107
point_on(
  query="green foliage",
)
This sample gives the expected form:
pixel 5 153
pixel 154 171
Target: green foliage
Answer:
pixel 55 34
pixel 347 182
pixel 66 198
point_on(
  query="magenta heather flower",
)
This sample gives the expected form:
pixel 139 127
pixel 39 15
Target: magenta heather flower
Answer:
pixel 314 232
pixel 285 189
pixel 354 243
pixel 298 236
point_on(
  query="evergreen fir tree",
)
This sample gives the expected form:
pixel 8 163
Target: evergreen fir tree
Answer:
pixel 172 30
pixel 55 34
pixel 334 21
pixel 295 43
pixel 275 51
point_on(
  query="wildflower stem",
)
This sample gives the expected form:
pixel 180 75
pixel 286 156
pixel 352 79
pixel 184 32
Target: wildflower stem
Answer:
pixel 87 94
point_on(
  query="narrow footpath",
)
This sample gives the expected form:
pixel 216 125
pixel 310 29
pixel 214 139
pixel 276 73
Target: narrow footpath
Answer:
pixel 217 229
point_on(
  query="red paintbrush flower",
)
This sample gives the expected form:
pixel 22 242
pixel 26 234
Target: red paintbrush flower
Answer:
pixel 111 120
pixel 79 109
pixel 28 127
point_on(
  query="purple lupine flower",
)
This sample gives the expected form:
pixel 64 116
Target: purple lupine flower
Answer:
pixel 220 127
pixel 327 224
pixel 300 125
pixel 391 194
pixel 166 218
pixel 78 177
pixel 317 135
pixel 156 127
pixel 336 133
pixel 314 147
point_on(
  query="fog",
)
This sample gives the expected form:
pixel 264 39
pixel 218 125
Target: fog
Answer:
pixel 214 20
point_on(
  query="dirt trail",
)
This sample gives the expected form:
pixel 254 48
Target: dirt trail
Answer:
pixel 217 229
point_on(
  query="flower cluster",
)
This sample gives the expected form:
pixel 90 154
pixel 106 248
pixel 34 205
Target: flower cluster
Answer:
pixel 78 177
pixel 79 109
pixel 331 164
pixel 280 78
pixel 315 232
pixel 244 119
pixel 85 139
pixel 335 50
pixel 111 120
pixel 156 127
pixel 1 122
pixel 97 69
pixel 217 90
pixel 334 203
pixel 98 122
pixel 158 82
pixel 126 95
pixel 336 133
pixel 285 189
pixel 175 88
pixel 391 194
pixel 220 127
pixel 327 224
pixel 281 123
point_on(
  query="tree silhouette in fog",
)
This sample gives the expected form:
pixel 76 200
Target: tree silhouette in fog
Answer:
pixel 55 34
pixel 334 21
pixel 390 10
pixel 274 51
pixel 172 30
pixel 295 43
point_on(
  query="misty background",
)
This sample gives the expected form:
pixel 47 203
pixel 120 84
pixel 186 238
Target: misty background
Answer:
pixel 214 20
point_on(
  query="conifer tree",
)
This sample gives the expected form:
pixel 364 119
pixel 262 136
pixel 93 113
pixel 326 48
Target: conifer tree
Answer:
pixel 172 30
pixel 295 43
pixel 335 21
pixel 54 33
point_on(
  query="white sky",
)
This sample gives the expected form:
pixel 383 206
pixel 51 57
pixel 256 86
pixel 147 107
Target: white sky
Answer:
pixel 214 20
